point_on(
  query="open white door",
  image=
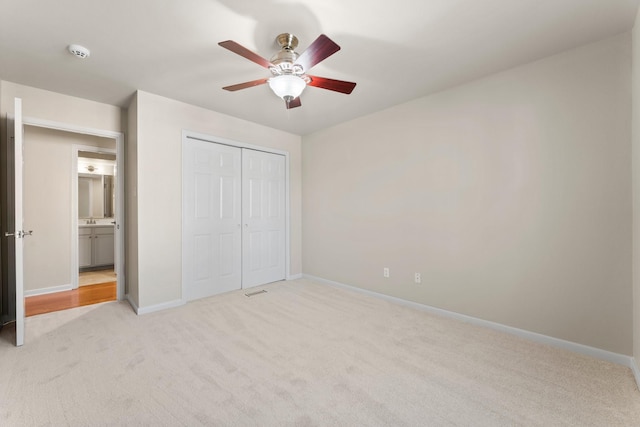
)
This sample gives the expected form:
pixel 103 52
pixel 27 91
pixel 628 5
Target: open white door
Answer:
pixel 18 234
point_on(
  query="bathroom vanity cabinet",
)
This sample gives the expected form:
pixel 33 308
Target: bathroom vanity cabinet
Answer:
pixel 95 246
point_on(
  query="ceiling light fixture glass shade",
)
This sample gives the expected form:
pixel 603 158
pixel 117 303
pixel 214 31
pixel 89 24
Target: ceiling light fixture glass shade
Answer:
pixel 287 86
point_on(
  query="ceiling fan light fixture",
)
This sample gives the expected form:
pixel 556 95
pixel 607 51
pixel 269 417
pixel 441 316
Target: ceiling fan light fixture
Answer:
pixel 287 86
pixel 289 68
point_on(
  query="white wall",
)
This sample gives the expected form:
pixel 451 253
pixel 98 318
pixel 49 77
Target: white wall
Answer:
pixel 48 168
pixel 511 196
pixel 160 122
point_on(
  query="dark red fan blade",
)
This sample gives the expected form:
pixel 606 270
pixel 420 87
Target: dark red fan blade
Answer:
pixel 331 84
pixel 243 51
pixel 322 48
pixel 245 85
pixel 294 103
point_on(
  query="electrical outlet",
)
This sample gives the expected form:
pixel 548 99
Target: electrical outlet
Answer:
pixel 418 278
pixel 385 272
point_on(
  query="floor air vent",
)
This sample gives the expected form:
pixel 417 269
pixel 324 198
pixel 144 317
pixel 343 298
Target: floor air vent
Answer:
pixel 252 294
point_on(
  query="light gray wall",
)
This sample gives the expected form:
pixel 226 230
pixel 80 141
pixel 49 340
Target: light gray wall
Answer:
pixel 160 122
pixel 511 196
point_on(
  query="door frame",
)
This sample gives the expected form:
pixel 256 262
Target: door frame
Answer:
pixel 191 135
pixel 120 221
pixel 15 128
pixel 75 263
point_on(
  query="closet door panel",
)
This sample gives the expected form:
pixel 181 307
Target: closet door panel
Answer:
pixel 263 199
pixel 212 218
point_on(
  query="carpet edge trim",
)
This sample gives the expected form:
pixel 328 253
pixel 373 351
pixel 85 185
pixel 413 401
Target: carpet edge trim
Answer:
pixel 636 371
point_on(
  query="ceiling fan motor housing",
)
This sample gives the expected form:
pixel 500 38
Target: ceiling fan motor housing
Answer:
pixel 284 60
pixel 287 41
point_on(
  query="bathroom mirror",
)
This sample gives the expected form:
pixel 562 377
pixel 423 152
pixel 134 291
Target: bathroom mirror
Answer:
pixel 96 186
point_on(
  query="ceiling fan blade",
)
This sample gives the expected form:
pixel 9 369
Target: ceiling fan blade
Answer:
pixel 322 48
pixel 243 51
pixel 331 84
pixel 294 103
pixel 245 85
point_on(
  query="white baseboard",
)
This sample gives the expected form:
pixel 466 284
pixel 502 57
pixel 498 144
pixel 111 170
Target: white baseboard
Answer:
pixel 157 307
pixel 44 291
pixel 133 305
pixel 597 353
pixel 636 371
pixel 294 276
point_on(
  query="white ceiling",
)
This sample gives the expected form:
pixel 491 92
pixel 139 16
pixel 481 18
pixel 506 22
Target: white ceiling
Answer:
pixel 394 50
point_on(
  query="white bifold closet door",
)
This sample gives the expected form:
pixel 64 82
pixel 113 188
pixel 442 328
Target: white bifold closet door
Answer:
pixel 234 218
pixel 263 218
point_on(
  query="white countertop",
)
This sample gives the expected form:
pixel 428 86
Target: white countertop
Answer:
pixel 102 222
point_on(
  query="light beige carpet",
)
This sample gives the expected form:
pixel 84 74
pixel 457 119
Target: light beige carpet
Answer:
pixel 300 354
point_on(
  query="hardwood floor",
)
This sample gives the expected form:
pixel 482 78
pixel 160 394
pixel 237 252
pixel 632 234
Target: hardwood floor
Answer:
pixel 84 295
pixel 96 276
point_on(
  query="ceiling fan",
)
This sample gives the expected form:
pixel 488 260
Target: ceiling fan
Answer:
pixel 289 69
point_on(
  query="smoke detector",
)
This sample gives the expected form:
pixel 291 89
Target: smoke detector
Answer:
pixel 79 51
